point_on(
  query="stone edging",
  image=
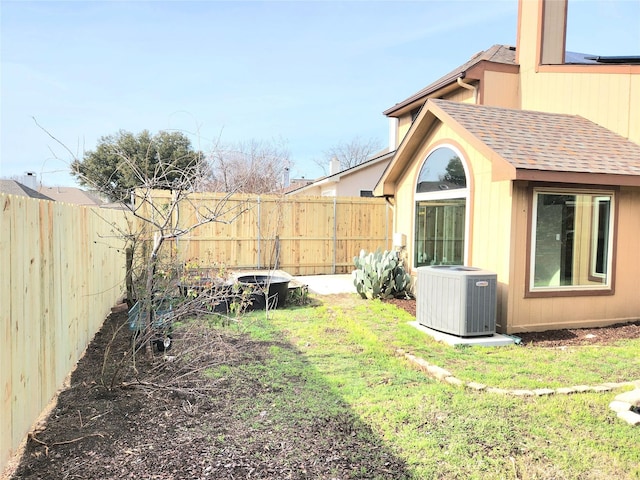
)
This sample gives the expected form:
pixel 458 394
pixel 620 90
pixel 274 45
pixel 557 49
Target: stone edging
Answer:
pixel 624 404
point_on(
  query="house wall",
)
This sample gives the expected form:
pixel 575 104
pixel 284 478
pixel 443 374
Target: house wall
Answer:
pixel 348 184
pixel 501 89
pixel 405 122
pixel 497 241
pixel 538 314
pixel 462 95
pixel 608 99
pixel 311 191
pixel 605 94
pixel 489 210
pixel 363 179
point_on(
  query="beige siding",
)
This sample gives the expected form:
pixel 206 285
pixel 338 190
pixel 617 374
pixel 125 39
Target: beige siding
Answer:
pixel 460 94
pixel 531 314
pixel 62 271
pixel 489 208
pixel 605 94
pixel 603 98
pixel 404 124
pixel 349 183
pixel 498 242
pixel 501 89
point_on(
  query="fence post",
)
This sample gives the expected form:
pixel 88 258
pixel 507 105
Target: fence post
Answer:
pixel 258 233
pixel 335 235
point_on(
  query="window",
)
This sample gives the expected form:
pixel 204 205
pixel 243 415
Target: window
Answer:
pixel 440 210
pixel 572 234
pixel 366 193
pixel 440 232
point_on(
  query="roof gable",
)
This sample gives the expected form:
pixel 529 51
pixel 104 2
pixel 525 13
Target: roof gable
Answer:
pixel 527 145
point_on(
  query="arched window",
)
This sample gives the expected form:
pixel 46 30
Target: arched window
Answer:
pixel 441 209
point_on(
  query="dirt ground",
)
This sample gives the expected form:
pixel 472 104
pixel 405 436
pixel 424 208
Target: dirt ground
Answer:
pixel 166 421
pixel 160 421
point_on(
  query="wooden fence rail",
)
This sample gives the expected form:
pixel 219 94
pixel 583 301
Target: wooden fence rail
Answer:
pixel 301 235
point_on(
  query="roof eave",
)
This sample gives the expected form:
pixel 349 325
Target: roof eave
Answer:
pixel 412 140
pixel 417 100
pixel 582 178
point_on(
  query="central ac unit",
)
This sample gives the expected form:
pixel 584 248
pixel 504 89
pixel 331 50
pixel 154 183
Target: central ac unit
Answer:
pixel 457 300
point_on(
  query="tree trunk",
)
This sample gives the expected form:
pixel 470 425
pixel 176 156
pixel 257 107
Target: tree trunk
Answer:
pixel 149 294
pixel 129 275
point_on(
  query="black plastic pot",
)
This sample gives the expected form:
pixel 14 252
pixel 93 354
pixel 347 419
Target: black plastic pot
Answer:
pixel 276 288
pixel 196 288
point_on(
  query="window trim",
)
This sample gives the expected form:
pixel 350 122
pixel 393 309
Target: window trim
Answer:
pixel 594 275
pixel 570 291
pixel 444 195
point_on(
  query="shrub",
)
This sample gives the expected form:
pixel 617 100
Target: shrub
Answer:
pixel 381 275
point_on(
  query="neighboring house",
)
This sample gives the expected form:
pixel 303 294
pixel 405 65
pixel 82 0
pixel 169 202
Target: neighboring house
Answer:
pixel 72 195
pixel 13 187
pixel 356 181
pixel 292 185
pixel 526 162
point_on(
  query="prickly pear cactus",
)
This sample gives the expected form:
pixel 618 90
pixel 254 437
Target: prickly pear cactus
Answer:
pixel 380 275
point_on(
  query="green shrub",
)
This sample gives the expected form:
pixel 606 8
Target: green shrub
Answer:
pixel 381 275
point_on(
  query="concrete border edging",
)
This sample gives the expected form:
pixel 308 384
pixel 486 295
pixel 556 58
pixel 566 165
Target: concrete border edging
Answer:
pixel 625 404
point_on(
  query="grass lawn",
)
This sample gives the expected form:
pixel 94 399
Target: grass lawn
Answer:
pixel 344 351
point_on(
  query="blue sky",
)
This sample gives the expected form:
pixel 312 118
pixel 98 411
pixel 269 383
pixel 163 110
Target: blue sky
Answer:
pixel 309 74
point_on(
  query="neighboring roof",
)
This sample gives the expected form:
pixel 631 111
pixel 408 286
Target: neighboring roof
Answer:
pixel 384 155
pixel 528 145
pixel 503 54
pixel 295 184
pixel 73 195
pixel 16 188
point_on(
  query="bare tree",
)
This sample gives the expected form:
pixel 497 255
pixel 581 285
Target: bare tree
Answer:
pixel 351 153
pixel 151 169
pixel 248 167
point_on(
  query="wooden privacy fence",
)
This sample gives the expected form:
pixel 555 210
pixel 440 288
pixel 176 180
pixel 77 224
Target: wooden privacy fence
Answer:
pixel 300 235
pixel 62 268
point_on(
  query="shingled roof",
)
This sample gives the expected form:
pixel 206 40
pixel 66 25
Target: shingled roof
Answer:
pixel 16 188
pixel 71 195
pixel 531 140
pixel 525 145
pixel 504 54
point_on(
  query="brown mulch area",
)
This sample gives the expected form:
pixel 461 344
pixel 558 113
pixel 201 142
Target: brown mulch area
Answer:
pixel 559 338
pixel 166 420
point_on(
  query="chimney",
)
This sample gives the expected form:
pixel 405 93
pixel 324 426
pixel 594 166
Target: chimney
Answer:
pixel 541 37
pixel 334 166
pixel 285 178
pixel 30 179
